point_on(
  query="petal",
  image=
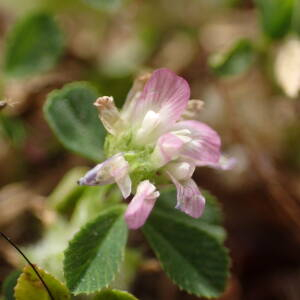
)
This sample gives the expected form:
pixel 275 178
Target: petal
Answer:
pixel 119 172
pixel 114 169
pixel 164 94
pixel 141 205
pixel 165 91
pixel 99 175
pixel 189 198
pixel 181 170
pixel 133 96
pixel 224 163
pixel 205 145
pixel 168 147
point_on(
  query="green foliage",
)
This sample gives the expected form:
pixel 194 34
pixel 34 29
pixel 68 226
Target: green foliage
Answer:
pixel 235 61
pixel 114 295
pixel 95 253
pixel 9 285
pixel 73 118
pixel 211 220
pixel 67 191
pixel 295 23
pixel 192 257
pixel 128 270
pixel 85 206
pixel 29 286
pixel 34 45
pixel 13 130
pixel 275 16
pixel 92 201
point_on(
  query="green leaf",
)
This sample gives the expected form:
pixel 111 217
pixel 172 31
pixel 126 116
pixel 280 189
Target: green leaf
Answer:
pixel 192 257
pixel 9 284
pixel 295 23
pixel 275 16
pixel 211 220
pixel 129 269
pixel 67 192
pixel 95 253
pixel 29 286
pixel 92 201
pixel 114 295
pixel 235 61
pixel 73 118
pixel 34 45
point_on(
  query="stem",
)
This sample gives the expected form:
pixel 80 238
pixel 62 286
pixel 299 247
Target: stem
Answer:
pixel 28 261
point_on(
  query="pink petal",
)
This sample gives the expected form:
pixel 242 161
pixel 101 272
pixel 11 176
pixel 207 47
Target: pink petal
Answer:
pixel 167 91
pixel 167 148
pixel 205 145
pixel 189 198
pixel 133 96
pixel 141 205
pixel 165 94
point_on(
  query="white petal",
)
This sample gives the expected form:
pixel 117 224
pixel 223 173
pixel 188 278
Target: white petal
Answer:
pixel 180 170
pixel 114 169
pixel 124 184
pixel 287 67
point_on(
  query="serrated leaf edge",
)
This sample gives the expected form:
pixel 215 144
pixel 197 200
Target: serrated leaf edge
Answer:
pixel 122 254
pixel 224 249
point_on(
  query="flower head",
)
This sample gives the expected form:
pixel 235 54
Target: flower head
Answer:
pixel 148 145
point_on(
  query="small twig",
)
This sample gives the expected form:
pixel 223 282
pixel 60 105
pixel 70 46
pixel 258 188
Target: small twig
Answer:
pixel 28 261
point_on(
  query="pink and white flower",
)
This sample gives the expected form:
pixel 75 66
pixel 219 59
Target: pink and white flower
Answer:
pixel 147 138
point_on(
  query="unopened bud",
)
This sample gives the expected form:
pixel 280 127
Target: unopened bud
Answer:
pixel 109 114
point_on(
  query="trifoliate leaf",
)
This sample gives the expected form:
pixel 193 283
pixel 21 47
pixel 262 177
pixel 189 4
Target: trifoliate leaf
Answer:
pixel 73 118
pixel 191 256
pixel 29 286
pixel 34 45
pixel 95 254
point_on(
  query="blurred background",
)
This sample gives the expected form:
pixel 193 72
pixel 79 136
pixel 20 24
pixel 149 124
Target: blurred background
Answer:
pixel 241 58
